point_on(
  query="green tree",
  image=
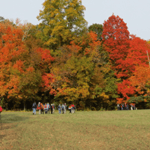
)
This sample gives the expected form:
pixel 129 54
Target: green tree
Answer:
pixel 98 29
pixel 61 20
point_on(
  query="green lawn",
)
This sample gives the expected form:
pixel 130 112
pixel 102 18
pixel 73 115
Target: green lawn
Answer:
pixel 99 130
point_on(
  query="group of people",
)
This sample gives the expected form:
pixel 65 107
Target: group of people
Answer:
pixel 47 108
pixel 62 108
pixel 43 108
pixel 125 106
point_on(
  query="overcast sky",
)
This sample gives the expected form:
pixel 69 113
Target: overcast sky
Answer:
pixel 136 13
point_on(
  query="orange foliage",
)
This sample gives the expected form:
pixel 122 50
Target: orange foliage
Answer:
pixel 30 69
pixel 19 65
pixel 87 43
pixel 140 78
pixel 11 48
pixel 16 62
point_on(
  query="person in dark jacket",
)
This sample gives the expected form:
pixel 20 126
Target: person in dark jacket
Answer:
pixel 52 108
pixel 59 108
pixel 122 106
pixel 127 107
pixel 34 108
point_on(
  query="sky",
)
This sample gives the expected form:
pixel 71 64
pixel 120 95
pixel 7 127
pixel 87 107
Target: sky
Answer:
pixel 135 13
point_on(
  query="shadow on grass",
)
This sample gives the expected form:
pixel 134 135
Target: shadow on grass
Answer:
pixel 11 118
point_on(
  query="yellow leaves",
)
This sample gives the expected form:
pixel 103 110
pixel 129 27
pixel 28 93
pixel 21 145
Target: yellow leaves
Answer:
pixel 76 93
pixel 52 14
pixel 104 95
pixel 46 30
pixel 51 41
pixel 55 70
pixel 57 29
pixel 63 17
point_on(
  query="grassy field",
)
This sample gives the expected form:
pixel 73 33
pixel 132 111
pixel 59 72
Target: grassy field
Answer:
pixel 101 130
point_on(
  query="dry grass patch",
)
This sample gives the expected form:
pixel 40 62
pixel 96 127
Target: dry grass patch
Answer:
pixel 83 130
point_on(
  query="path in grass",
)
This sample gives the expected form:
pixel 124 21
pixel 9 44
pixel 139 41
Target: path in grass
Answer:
pixel 82 130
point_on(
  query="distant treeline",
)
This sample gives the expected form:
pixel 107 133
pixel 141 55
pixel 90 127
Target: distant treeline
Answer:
pixel 61 60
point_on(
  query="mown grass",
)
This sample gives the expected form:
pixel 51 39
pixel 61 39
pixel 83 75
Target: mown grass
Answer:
pixel 82 130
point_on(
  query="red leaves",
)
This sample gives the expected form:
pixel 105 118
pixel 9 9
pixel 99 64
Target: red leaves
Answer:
pixel 137 51
pixel 48 79
pixel 115 29
pixel 116 41
pixel 125 89
pixel 45 55
pixel 125 54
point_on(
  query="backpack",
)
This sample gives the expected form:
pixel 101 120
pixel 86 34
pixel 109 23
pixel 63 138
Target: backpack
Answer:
pixel 34 104
pixel 1 109
pixel 45 106
pixel 42 106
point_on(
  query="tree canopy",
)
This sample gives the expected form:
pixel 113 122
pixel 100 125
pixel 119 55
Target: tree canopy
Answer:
pixel 61 60
pixel 61 20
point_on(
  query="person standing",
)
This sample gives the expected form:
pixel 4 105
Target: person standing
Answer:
pixel 59 108
pixel 127 107
pixel 39 108
pixel 122 108
pixel 34 108
pixel 70 107
pixel 42 108
pixel 65 108
pixel 1 109
pixel 45 108
pixel 73 108
pixel 134 107
pixel 51 108
pixel 118 106
pixel 48 106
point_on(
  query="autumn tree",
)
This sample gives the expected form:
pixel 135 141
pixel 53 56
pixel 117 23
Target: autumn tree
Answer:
pixel 24 71
pixel 81 73
pixel 141 81
pixel 125 51
pixel 61 20
pixel 11 65
pixel 116 40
